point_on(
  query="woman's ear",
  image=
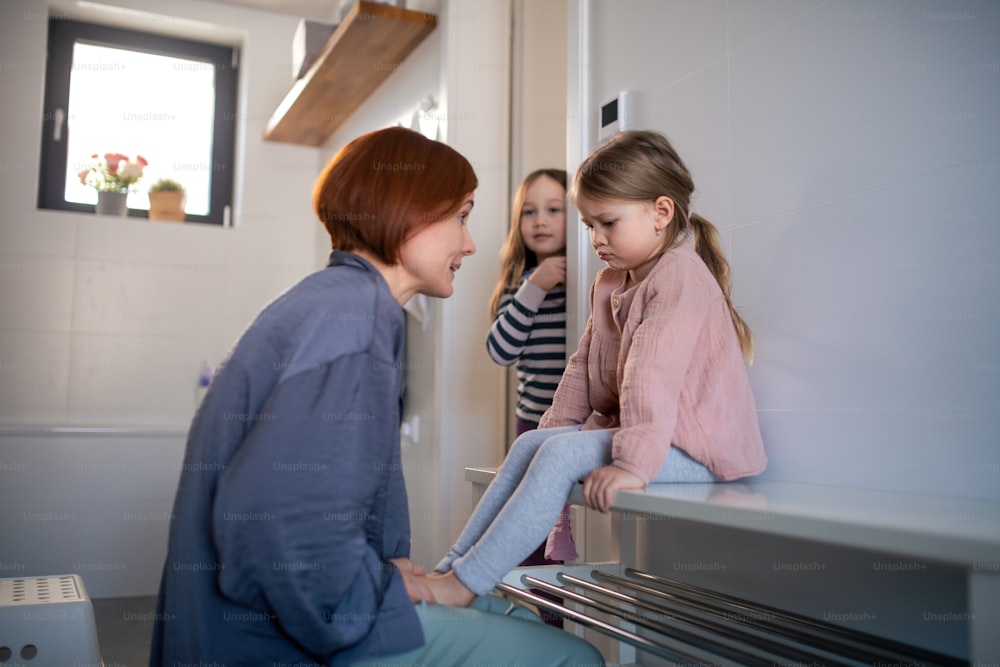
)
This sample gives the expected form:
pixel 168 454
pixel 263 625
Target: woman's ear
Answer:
pixel 663 209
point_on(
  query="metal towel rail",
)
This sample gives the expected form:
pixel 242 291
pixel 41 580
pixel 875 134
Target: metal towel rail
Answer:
pixel 692 625
pixel 862 646
pixel 667 651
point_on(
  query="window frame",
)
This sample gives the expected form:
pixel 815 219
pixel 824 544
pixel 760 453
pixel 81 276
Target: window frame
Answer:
pixel 63 35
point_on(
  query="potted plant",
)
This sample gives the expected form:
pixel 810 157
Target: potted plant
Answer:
pixel 113 178
pixel 166 200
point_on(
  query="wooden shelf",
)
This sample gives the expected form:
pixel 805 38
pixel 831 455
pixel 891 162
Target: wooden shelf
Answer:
pixel 363 51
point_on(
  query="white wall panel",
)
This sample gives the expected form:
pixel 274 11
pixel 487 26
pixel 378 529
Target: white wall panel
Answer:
pixel 848 151
pixel 137 281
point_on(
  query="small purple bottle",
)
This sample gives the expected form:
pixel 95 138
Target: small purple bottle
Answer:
pixel 204 379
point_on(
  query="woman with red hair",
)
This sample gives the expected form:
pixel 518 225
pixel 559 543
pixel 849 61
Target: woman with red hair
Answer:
pixel 289 541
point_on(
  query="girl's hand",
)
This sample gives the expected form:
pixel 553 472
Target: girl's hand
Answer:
pixel 550 272
pixel 415 580
pixel 601 485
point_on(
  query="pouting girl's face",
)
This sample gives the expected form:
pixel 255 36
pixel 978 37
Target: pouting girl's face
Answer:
pixel 431 257
pixel 543 218
pixel 624 233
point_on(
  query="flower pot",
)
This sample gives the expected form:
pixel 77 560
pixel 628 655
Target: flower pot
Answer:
pixel 166 205
pixel 111 203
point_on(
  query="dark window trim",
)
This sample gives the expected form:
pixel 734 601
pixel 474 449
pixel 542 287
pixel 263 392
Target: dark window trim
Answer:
pixel 63 34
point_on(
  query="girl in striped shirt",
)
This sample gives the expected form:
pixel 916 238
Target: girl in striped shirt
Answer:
pixel 529 316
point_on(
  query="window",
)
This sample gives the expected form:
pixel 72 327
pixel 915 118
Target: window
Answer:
pixel 170 100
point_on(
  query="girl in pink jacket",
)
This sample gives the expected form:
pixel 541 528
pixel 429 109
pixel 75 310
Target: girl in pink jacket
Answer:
pixel 657 390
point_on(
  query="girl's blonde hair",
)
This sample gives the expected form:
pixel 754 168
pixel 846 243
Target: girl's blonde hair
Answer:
pixel 515 258
pixel 641 165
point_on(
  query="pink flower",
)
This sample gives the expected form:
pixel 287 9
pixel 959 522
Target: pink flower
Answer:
pixel 116 173
pixel 130 170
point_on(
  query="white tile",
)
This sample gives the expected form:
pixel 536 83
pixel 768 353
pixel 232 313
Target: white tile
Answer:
pixel 885 300
pixel 752 21
pixel 163 299
pixel 831 120
pixel 25 230
pixel 141 240
pixel 644 45
pixel 936 451
pixel 287 245
pixel 694 114
pixel 114 559
pixel 99 467
pixel 33 376
pixel 135 379
pixel 36 293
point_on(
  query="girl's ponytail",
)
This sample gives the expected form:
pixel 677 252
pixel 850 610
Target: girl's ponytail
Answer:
pixel 709 248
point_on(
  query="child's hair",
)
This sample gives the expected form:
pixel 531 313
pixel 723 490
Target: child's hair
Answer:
pixel 515 258
pixel 641 165
pixel 385 186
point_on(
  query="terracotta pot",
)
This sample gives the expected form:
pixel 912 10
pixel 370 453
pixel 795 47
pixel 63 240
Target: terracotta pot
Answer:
pixel 168 206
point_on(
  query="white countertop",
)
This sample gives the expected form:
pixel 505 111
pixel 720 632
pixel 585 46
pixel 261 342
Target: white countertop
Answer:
pixel 960 531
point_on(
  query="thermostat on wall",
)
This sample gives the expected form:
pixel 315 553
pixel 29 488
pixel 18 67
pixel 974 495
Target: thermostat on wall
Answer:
pixel 615 116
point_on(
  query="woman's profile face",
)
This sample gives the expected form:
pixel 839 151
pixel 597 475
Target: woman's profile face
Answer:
pixel 433 255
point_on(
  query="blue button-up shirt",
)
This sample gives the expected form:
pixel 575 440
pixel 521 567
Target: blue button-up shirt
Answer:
pixel 291 497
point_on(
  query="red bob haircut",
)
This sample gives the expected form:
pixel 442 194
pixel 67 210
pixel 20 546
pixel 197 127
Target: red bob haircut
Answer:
pixel 385 186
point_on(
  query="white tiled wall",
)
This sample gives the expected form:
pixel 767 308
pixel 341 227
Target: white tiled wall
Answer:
pixel 105 320
pixel 93 504
pixel 849 152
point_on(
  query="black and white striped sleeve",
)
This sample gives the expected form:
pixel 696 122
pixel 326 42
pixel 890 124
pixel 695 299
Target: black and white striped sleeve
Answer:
pixel 512 326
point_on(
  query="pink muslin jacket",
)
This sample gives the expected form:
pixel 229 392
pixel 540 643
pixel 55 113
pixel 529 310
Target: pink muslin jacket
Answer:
pixel 661 361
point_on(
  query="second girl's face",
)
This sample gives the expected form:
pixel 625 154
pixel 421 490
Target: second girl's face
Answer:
pixel 543 218
pixel 433 255
pixel 623 233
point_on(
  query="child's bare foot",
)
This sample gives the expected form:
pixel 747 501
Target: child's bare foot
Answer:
pixel 449 590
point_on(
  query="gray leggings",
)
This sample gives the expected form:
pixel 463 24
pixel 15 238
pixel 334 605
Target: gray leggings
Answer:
pixel 523 501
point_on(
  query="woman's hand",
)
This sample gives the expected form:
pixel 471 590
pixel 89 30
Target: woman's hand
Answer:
pixel 600 486
pixel 449 589
pixel 415 580
pixel 550 272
